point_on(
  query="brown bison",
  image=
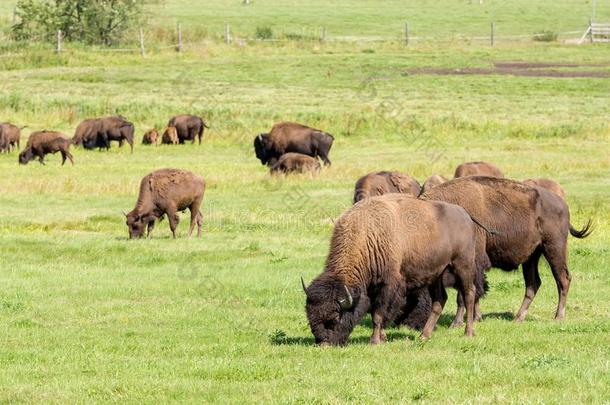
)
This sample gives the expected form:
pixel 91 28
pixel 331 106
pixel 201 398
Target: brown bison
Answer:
pixel 170 136
pixel 44 142
pixel 150 137
pixel 477 169
pixel 189 127
pixel 527 223
pixel 295 163
pixel 167 191
pixel 379 183
pixel 549 184
pixel 99 132
pixel 381 249
pixel 290 137
pixel 433 181
pixel 10 137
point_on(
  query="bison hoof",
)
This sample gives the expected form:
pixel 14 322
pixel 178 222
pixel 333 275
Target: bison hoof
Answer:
pixel 456 324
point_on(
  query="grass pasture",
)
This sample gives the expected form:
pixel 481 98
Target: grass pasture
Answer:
pixel 88 316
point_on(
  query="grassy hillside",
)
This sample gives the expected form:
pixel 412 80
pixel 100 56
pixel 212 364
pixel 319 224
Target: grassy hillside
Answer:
pixel 88 316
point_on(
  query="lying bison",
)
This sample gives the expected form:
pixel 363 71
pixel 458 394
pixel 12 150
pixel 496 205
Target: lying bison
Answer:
pixel 379 183
pixel 290 137
pixel 150 137
pixel 433 181
pixel 99 132
pixel 527 223
pixel 381 249
pixel 188 127
pixel 167 191
pixel 44 142
pixel 170 136
pixel 549 184
pixel 295 163
pixel 477 169
pixel 10 137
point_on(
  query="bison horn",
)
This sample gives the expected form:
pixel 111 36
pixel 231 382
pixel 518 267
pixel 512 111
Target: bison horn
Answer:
pixel 303 284
pixel 124 213
pixel 260 137
pixel 346 303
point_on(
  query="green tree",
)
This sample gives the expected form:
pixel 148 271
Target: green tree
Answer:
pixel 91 21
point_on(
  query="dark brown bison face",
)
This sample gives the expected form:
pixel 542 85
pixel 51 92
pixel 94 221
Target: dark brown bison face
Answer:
pixel 26 156
pixel 135 224
pixel 260 148
pixel 333 310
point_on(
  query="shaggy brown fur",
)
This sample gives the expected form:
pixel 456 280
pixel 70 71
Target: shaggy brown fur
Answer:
pixel 170 136
pixel 549 184
pixel 296 162
pixel 477 169
pixel 151 137
pixel 381 249
pixel 10 137
pixel 379 183
pixel 44 142
pixel 167 191
pixel 188 127
pixel 99 132
pixel 433 181
pixel 291 137
pixel 528 223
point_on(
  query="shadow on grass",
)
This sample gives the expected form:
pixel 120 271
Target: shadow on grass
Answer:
pixel 507 316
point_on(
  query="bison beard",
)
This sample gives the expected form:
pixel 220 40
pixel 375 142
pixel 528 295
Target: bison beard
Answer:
pixel 382 249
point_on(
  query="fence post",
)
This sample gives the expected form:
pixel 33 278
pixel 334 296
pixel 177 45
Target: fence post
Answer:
pixel 406 33
pixel 227 33
pixel 58 49
pixel 179 37
pixel 14 15
pixel 322 34
pixel 591 29
pixel 141 42
pixel 493 31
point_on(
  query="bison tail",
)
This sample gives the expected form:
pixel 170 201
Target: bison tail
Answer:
pixel 490 231
pixel 584 232
pixel 205 125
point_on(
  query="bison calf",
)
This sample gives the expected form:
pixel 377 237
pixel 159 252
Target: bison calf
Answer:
pixel 10 136
pixel 44 142
pixel 295 163
pixel 379 183
pixel 477 169
pixel 170 136
pixel 381 249
pixel 549 184
pixel 433 181
pixel 167 191
pixel 150 137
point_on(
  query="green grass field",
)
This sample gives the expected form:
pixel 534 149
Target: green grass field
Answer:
pixel 89 316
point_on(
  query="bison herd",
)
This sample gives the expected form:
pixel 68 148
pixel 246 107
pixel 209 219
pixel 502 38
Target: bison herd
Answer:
pixel 394 252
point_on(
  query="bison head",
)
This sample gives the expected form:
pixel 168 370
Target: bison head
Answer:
pixel 26 156
pixel 136 223
pixel 333 309
pixel 261 149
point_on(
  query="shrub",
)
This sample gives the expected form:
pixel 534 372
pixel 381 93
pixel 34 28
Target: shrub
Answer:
pixel 545 36
pixel 264 33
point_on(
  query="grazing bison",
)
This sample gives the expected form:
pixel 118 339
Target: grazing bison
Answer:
pixel 150 137
pixel 44 142
pixel 99 132
pixel 433 181
pixel 379 183
pixel 189 127
pixel 10 137
pixel 290 137
pixel 477 169
pixel 295 163
pixel 527 223
pixel 170 136
pixel 381 249
pixel 166 191
pixel 549 184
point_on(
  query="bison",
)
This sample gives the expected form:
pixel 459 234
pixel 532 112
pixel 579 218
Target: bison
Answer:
pixel 170 136
pixel 379 183
pixel 44 142
pixel 549 184
pixel 295 163
pixel 150 137
pixel 10 137
pixel 99 132
pixel 527 223
pixel 291 137
pixel 381 249
pixel 166 191
pixel 433 181
pixel 189 127
pixel 477 169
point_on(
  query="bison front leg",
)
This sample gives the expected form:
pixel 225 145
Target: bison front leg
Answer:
pixel 172 215
pixel 439 297
pixel 150 228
